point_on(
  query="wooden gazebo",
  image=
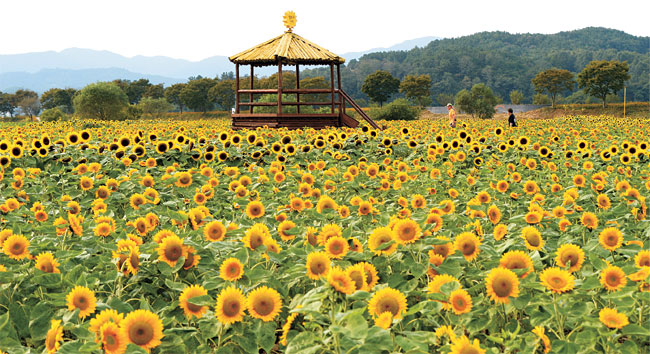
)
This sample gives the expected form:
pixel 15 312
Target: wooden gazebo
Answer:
pixel 289 49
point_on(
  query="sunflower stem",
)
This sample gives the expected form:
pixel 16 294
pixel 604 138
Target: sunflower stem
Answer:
pixel 560 326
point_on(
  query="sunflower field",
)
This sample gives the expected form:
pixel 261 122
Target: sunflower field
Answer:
pixel 189 237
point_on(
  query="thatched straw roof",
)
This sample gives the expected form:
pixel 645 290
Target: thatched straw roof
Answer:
pixel 290 48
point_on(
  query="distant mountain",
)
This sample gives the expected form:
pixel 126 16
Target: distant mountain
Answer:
pixel 406 45
pixel 76 67
pixel 45 79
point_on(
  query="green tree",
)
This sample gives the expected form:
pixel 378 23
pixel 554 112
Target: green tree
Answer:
pixel 399 109
pixel 601 77
pixel 195 94
pixel 173 95
pixel 553 81
pixel 101 100
pixel 540 98
pixel 56 97
pixel 444 98
pixel 417 89
pixel 479 101
pixel 137 89
pixel 380 86
pixel 223 92
pixel 516 97
pixel 317 82
pixel 154 91
pixel 6 104
pixel 154 107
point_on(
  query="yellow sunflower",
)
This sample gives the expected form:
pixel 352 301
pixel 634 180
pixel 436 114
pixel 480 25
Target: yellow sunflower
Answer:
pixel 264 303
pixel 171 250
pixel 336 247
pixel 255 209
pixel 384 320
pixel 462 345
pixel 460 301
pixel 188 308
pixel 610 238
pixel 500 231
pixel 214 231
pixel 589 220
pixel 358 275
pixel 517 260
pixel 372 277
pixel 613 278
pixel 112 339
pixel 83 299
pixel 468 244
pixel 387 300
pixel 318 265
pixel 231 269
pixel 340 280
pixel 557 280
pixel 105 316
pixel 381 241
pixel 231 304
pixel 570 255
pixel 406 231
pixel 642 259
pixel 502 284
pixel 15 246
pixel 54 336
pixel 533 238
pixel 142 328
pixel 612 318
pixel 46 262
pixel 184 179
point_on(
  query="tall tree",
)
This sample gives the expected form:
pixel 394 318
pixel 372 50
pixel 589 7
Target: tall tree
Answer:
pixel 137 89
pixel 154 91
pixel 30 105
pixel 601 77
pixel 553 81
pixel 417 89
pixel 101 100
pixel 223 93
pixel 154 107
pixel 56 97
pixel 195 94
pixel 379 86
pixel 173 95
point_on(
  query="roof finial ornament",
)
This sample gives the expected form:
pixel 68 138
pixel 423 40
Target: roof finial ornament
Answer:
pixel 289 20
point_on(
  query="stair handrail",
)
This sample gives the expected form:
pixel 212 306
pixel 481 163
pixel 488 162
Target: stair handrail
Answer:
pixel 356 107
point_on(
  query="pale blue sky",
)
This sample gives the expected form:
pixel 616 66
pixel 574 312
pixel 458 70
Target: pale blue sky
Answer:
pixel 196 29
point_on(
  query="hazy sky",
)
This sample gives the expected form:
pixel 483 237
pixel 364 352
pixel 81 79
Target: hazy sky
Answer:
pixel 196 29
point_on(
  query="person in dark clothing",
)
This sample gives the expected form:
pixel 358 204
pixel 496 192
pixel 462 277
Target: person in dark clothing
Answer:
pixel 512 122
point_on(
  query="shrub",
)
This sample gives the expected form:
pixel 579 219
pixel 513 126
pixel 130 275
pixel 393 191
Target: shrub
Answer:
pixel 53 115
pixel 400 109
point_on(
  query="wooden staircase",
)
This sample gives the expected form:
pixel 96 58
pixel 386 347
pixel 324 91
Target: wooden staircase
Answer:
pixel 348 121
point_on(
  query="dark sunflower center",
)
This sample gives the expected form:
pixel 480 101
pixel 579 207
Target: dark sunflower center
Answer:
pixel 558 282
pixel 173 252
pixel 357 278
pixel 263 306
pixel 193 308
pixel 442 250
pixel 571 257
pixel 47 267
pixel 141 333
pixel 502 287
pixel 388 304
pixel 533 240
pixel 468 248
pixel 80 302
pixel 231 307
pixel 189 260
pixel 317 267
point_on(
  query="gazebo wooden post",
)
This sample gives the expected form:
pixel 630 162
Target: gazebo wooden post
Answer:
pixel 338 79
pixel 298 86
pixel 332 84
pixel 250 96
pixel 237 88
pixel 279 87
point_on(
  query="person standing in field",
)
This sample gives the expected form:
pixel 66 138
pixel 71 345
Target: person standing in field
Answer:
pixel 512 122
pixel 452 115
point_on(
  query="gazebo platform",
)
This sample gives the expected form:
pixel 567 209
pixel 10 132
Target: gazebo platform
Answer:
pixel 289 49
